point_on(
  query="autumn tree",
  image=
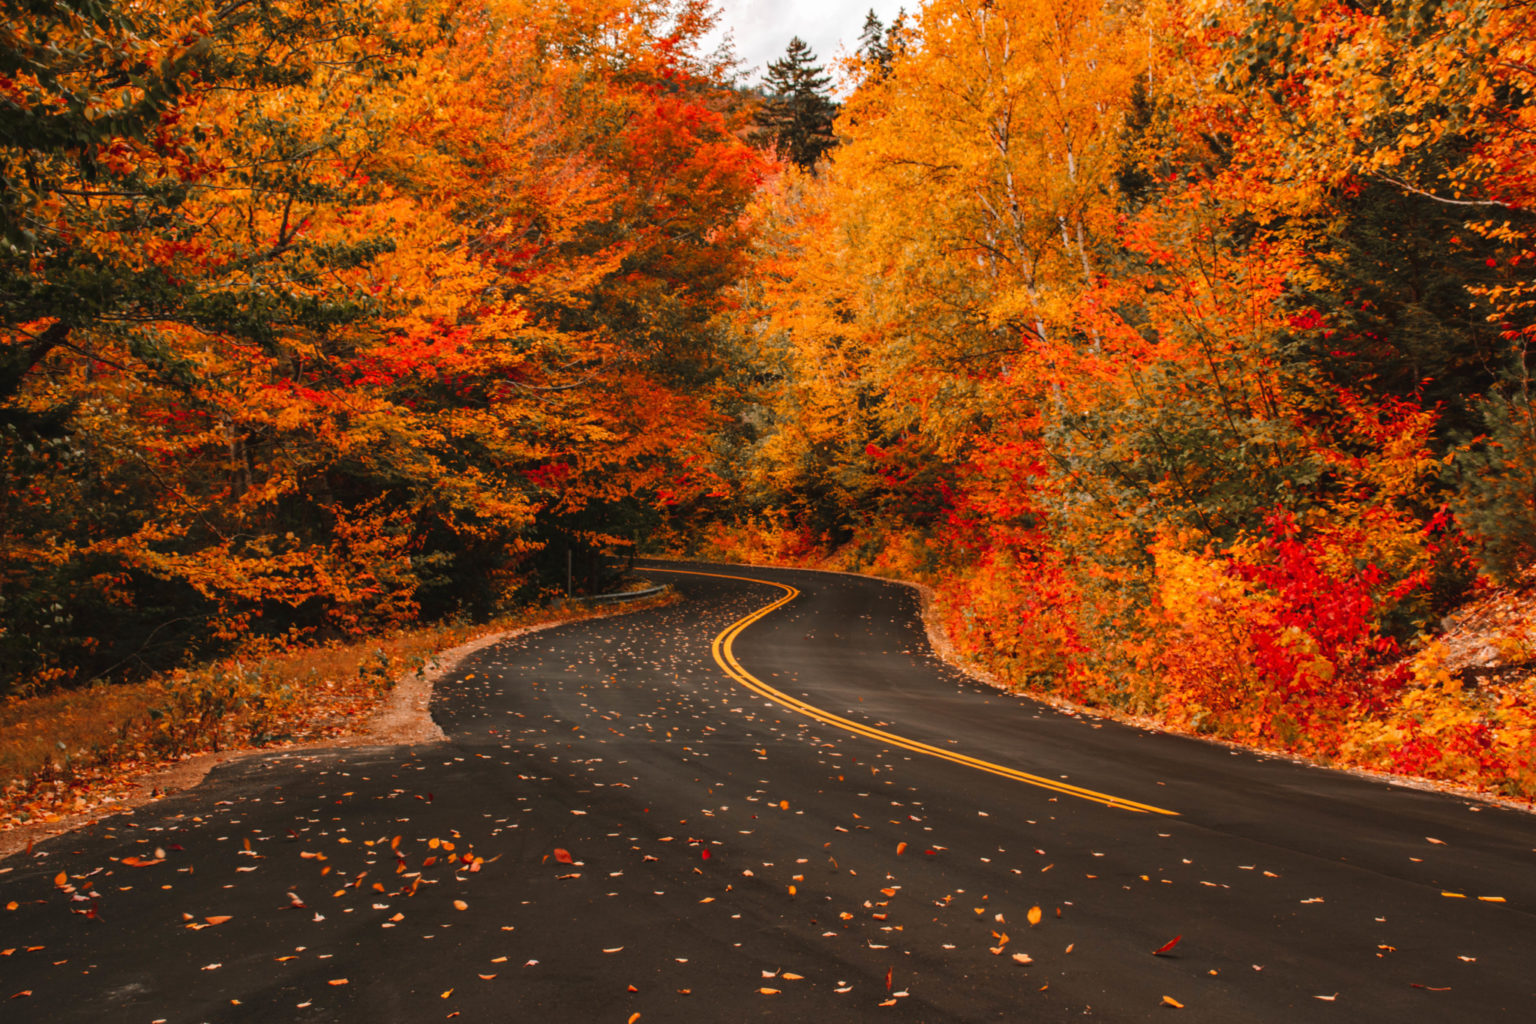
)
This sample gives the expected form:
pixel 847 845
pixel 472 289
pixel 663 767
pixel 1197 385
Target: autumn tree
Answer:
pixel 352 320
pixel 1053 264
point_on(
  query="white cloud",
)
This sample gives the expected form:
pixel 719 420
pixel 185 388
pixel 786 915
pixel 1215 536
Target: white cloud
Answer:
pixel 762 28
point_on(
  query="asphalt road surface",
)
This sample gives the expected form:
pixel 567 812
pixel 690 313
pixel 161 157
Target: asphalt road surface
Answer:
pixel 712 812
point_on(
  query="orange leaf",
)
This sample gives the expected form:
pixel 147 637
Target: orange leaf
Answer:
pixel 219 918
pixel 337 981
pixel 901 848
pixel 1170 1001
pixel 564 856
pixel 1034 917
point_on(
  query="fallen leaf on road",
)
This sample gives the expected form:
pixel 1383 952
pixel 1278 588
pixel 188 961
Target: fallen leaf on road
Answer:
pixel 1023 958
pixel 901 848
pixel 1034 916
pixel 337 981
pixel 1167 947
pixel 460 905
pixel 1432 839
pixel 563 856
pixel 769 991
pixel 1327 999
pixel 1170 1001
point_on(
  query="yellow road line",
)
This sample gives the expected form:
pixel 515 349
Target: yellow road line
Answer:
pixel 725 657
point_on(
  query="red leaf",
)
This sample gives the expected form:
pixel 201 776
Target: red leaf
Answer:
pixel 563 856
pixel 1167 946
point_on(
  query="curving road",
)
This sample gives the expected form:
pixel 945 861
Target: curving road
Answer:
pixel 770 800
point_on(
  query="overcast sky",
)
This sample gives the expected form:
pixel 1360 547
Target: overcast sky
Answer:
pixel 762 28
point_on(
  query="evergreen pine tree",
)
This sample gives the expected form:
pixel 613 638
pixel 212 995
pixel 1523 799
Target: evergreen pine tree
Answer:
pixel 798 112
pixel 874 43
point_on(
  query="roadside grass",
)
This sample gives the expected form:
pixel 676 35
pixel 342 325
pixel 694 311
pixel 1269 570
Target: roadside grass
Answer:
pixel 73 751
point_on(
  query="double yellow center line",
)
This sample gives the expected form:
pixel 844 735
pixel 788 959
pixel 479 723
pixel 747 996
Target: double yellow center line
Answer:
pixel 725 657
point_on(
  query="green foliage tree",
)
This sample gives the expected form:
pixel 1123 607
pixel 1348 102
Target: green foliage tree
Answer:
pixel 797 115
pixel 875 42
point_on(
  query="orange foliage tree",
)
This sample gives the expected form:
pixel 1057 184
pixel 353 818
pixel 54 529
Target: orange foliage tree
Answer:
pixel 318 317
pixel 1118 283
